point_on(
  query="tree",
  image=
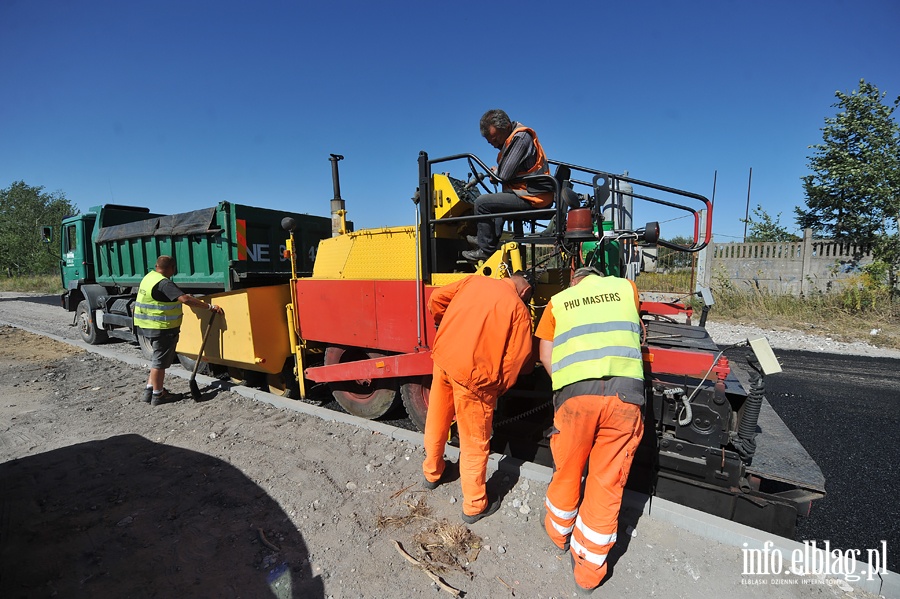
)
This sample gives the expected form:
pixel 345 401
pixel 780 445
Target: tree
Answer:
pixel 764 228
pixel 669 258
pixel 23 210
pixel 853 193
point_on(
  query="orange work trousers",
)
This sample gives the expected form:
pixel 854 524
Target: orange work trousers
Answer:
pixel 603 432
pixel 474 416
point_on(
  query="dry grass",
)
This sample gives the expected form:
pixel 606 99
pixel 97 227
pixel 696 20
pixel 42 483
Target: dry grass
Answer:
pixel 418 510
pixel 673 282
pixel 49 284
pixel 439 544
pixel 444 545
pixel 830 316
pixel 846 315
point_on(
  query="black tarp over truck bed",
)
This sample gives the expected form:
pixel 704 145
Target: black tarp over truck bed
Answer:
pixel 220 248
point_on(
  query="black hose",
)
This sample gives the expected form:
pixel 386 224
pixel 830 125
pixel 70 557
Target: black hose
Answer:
pixel 745 443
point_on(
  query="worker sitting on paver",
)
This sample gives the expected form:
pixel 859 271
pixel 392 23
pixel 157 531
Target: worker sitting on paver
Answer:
pixel 520 154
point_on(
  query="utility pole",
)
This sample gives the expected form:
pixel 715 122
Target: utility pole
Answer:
pixel 747 211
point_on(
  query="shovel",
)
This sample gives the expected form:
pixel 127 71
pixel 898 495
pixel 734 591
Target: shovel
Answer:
pixel 195 389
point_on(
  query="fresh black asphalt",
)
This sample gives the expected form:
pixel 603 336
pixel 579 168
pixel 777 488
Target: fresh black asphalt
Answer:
pixel 845 410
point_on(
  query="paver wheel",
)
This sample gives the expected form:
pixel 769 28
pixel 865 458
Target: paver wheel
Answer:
pixel 415 395
pixel 369 399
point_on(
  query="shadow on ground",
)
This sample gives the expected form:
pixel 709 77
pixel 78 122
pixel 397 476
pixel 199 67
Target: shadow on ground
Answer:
pixel 126 517
pixel 629 516
pixel 49 300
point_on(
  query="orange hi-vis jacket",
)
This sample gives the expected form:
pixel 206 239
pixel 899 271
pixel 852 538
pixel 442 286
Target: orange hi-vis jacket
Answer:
pixel 484 333
pixel 538 198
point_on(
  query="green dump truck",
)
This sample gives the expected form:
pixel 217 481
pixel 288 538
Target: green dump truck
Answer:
pixel 105 252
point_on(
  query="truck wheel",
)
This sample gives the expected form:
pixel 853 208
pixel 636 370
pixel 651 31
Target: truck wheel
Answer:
pixel 283 383
pixel 188 364
pixel 415 396
pixel 247 378
pixel 364 398
pixel 86 326
pixel 144 344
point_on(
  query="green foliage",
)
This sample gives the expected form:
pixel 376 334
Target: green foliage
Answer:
pixel 671 282
pixel 886 250
pixel 853 193
pixel 763 228
pixel 23 210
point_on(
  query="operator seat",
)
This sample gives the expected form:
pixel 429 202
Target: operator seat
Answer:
pixel 567 197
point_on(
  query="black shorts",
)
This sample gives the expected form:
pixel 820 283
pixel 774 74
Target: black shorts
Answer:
pixel 163 350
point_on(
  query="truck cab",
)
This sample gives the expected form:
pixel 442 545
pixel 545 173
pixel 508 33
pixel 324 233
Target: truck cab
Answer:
pixel 77 264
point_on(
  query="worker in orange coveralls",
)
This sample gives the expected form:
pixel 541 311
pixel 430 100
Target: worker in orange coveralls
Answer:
pixel 483 340
pixel 591 347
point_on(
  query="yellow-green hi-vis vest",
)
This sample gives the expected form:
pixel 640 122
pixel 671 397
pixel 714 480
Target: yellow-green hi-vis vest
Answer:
pixel 598 332
pixel 151 314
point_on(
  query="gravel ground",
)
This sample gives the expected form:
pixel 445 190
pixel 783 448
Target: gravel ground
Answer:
pixel 104 496
pixel 727 334
pixel 29 309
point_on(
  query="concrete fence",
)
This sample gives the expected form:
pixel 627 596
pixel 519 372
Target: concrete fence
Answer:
pixel 796 268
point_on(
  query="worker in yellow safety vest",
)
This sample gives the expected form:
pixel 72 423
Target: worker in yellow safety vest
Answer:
pixel 591 346
pixel 157 315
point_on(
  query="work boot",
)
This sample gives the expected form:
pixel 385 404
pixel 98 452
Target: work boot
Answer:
pixel 165 397
pixel 147 394
pixel 451 472
pixel 580 590
pixel 475 255
pixel 557 548
pixel 492 507
pixel 432 485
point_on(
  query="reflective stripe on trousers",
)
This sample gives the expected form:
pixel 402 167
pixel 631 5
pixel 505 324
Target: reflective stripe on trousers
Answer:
pixel 602 431
pixel 560 516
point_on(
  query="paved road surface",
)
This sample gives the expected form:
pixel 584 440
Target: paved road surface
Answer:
pixel 846 411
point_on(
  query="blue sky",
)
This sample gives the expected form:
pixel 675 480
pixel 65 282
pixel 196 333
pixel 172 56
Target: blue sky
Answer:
pixel 177 105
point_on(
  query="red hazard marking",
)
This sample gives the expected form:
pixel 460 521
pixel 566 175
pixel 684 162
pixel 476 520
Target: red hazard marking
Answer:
pixel 242 238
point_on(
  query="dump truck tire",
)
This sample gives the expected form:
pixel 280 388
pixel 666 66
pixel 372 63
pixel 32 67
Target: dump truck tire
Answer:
pixel 87 327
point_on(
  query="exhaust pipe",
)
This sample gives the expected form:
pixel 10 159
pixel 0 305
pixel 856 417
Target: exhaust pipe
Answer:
pixel 338 213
